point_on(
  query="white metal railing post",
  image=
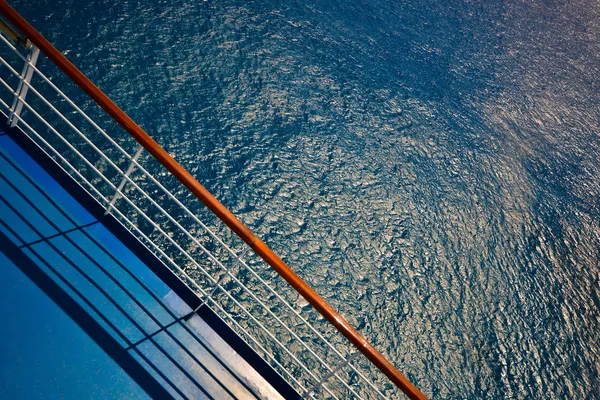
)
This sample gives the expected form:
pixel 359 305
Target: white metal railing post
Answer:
pixel 23 87
pixel 119 190
pixel 324 379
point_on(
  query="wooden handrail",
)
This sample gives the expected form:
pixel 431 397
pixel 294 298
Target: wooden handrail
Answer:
pixel 212 203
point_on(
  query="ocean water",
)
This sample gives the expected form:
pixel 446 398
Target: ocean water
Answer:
pixel 430 167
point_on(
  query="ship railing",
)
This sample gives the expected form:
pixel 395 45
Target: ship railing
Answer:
pixel 290 326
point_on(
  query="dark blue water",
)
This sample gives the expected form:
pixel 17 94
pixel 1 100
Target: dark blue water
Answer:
pixel 431 167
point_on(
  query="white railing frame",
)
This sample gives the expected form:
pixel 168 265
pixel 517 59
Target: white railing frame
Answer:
pixel 189 213
pixel 148 240
pixel 23 86
pixel 164 234
pixel 15 111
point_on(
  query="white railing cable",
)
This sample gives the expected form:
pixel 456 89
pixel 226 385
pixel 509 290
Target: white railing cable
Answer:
pixel 130 169
pixel 189 213
pixel 118 193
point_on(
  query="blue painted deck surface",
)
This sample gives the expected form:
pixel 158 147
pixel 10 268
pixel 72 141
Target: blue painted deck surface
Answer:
pixel 44 352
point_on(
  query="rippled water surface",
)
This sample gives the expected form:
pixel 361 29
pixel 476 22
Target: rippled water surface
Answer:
pixel 430 167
